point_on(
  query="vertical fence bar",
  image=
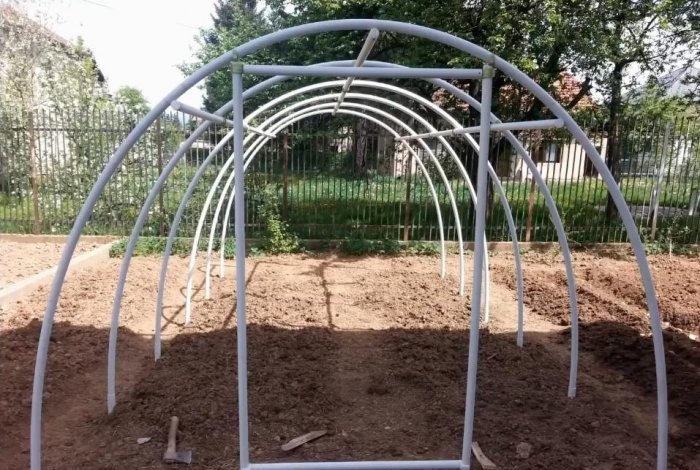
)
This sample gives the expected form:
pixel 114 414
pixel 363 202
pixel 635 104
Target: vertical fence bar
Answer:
pixel 285 177
pixel 159 156
pixel 34 173
pixel 659 180
pixel 530 209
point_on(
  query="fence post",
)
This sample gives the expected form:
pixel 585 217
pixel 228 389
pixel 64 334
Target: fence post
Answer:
pixel 285 177
pixel 407 213
pixel 161 205
pixel 530 209
pixel 34 173
pixel 656 195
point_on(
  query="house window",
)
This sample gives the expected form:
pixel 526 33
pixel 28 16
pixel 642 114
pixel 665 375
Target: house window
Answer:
pixel 553 154
pixel 548 153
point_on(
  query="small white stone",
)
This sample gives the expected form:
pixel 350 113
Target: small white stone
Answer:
pixel 523 450
pixel 142 440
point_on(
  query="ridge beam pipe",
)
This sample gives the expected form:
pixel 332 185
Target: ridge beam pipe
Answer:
pixel 360 72
pixel 215 118
pixel 505 126
pixel 371 40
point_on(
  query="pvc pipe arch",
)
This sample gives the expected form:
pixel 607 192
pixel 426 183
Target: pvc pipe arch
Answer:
pixel 445 143
pixel 549 200
pixel 414 115
pixel 209 197
pixel 342 25
pixel 260 142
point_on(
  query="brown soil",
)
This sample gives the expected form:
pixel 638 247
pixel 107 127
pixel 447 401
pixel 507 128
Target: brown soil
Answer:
pixel 20 260
pixel 372 350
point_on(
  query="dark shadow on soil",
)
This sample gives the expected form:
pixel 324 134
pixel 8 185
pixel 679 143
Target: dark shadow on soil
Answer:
pixel 412 410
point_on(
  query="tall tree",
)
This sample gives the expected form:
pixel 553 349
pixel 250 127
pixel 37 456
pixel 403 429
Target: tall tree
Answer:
pixel 644 36
pixel 131 100
pixel 235 22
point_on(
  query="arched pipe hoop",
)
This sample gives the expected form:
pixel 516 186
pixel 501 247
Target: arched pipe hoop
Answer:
pixel 259 142
pixel 549 200
pixel 344 25
pixel 138 226
pixel 227 211
pixel 389 103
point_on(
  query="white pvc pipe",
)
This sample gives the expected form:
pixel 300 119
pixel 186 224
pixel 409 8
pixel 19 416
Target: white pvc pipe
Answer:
pixel 343 25
pixel 479 250
pixel 241 324
pixel 215 118
pixel 360 72
pixel 371 40
pixel 254 148
pixel 506 126
pixel 261 142
pixel 257 145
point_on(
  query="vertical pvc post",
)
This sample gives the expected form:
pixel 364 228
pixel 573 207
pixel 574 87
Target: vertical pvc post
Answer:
pixel 241 334
pixel 479 248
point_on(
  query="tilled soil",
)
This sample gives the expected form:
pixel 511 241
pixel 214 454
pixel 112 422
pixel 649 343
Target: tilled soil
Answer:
pixel 373 350
pixel 20 260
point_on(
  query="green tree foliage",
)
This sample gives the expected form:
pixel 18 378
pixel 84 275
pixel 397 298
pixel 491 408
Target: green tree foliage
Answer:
pixel 602 41
pixel 543 38
pixel 634 37
pixel 131 100
pixel 652 102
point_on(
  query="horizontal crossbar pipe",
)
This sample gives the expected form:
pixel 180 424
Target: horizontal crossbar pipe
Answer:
pixel 196 112
pixel 361 72
pixel 255 130
pixel 362 56
pixel 499 127
pixel 366 465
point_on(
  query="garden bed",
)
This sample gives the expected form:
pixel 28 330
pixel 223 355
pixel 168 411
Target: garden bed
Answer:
pixel 371 349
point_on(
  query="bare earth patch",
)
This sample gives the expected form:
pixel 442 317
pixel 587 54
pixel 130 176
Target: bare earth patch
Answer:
pixel 371 349
pixel 21 260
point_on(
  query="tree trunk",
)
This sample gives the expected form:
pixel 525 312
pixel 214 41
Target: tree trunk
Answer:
pixel 612 157
pixel 359 166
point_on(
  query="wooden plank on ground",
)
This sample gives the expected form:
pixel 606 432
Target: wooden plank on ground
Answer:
pixel 297 441
pixel 485 462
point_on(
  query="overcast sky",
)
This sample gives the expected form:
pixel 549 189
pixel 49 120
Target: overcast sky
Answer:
pixel 136 42
pixel 139 42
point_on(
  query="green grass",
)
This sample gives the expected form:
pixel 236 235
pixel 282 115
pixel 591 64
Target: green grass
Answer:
pixel 338 207
pixel 155 246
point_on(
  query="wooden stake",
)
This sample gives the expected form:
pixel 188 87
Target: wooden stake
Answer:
pixel 484 461
pixel 530 208
pixel 407 212
pixel 297 441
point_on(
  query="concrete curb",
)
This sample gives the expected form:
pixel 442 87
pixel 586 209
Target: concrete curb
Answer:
pixel 28 238
pixel 26 286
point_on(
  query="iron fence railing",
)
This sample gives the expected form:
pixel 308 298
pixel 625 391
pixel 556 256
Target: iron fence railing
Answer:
pixel 344 181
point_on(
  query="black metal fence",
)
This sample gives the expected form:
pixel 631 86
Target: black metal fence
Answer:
pixel 347 180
